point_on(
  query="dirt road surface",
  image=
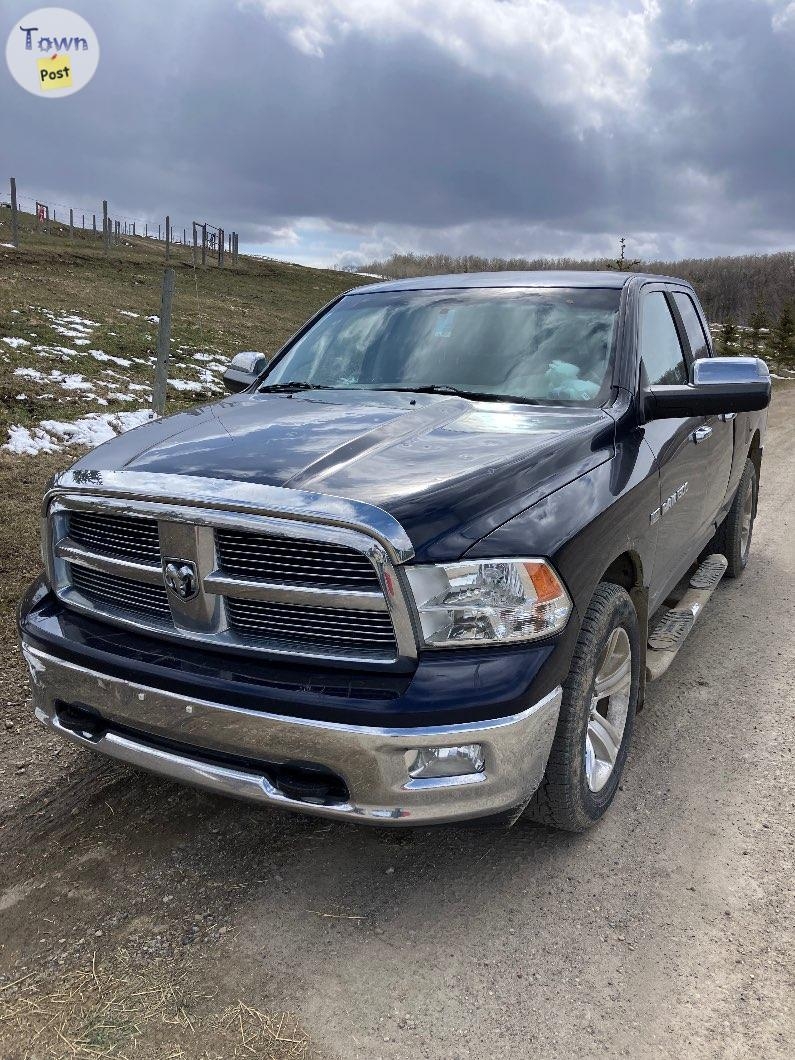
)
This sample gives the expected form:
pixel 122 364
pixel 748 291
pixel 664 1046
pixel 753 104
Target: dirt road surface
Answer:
pixel 666 931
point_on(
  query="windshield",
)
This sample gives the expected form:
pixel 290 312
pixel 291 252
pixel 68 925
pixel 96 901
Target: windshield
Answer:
pixel 538 345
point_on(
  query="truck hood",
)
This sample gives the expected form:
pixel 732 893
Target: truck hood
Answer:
pixel 450 470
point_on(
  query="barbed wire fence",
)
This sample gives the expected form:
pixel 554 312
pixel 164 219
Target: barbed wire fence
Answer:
pixel 204 242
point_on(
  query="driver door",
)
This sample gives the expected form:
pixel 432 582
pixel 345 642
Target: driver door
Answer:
pixel 682 470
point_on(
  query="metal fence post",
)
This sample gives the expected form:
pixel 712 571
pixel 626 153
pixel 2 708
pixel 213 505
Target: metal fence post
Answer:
pixel 204 243
pixel 105 229
pixel 163 344
pixel 168 237
pixel 14 218
pixel 71 224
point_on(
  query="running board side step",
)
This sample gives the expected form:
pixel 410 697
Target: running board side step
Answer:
pixel 672 630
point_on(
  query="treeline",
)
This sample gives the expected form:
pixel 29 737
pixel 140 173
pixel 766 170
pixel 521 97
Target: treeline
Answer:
pixel 731 289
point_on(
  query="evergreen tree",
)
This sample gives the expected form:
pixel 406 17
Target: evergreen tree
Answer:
pixel 784 336
pixel 728 338
pixel 757 323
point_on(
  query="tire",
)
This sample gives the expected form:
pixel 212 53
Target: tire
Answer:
pixel 734 537
pixel 575 791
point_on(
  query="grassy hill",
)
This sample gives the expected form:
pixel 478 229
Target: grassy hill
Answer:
pixel 63 303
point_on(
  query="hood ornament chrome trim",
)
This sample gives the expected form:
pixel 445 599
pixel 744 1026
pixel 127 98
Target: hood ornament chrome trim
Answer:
pixel 248 498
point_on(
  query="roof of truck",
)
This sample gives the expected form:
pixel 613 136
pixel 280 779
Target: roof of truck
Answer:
pixel 570 278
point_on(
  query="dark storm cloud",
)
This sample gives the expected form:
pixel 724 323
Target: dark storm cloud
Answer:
pixel 266 115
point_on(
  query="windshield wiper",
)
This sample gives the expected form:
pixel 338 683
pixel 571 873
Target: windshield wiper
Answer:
pixel 294 386
pixel 454 391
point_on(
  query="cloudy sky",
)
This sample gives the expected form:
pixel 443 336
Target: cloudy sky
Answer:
pixel 336 131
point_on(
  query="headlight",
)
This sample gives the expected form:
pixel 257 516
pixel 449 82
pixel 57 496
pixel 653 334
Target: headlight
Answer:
pixel 494 601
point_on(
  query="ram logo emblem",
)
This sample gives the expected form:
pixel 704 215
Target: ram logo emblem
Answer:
pixel 182 578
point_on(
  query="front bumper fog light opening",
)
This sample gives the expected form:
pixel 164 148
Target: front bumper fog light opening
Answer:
pixel 425 763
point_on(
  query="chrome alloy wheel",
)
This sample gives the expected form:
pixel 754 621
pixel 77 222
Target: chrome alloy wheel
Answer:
pixel 608 712
pixel 747 520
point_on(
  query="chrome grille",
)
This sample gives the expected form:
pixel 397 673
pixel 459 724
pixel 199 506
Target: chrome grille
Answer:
pixel 344 629
pixel 123 593
pixel 130 538
pixel 265 583
pixel 293 561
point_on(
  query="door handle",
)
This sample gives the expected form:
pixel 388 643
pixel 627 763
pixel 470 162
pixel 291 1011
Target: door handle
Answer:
pixel 700 434
pixel 727 416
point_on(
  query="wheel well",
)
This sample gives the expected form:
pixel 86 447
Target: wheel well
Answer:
pixel 755 453
pixel 626 570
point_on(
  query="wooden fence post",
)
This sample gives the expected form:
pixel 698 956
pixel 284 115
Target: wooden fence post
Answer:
pixel 94 217
pixel 133 227
pixel 105 229
pixel 83 226
pixel 163 343
pixel 168 237
pixel 71 224
pixel 194 244
pixel 14 218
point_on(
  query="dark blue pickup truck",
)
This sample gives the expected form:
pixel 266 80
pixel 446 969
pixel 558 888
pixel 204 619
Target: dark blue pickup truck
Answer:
pixel 420 566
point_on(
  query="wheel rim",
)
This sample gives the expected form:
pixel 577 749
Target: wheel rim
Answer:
pixel 607 717
pixel 747 520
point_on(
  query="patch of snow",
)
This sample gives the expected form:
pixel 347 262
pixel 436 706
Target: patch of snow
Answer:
pixel 128 313
pixel 73 381
pixel 30 373
pixel 69 333
pixel 99 355
pixel 9 245
pixel 153 320
pixel 82 342
pixel 16 343
pixel 22 442
pixel 52 435
pixel 22 397
pixel 185 384
pixel 58 351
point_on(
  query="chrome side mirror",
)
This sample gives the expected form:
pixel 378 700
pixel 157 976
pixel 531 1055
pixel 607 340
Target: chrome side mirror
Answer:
pixel 718 385
pixel 244 369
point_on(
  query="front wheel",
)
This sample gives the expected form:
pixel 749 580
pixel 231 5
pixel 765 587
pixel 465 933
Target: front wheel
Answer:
pixel 596 716
pixel 734 536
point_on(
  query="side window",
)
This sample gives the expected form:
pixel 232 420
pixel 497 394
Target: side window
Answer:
pixel 660 348
pixel 690 319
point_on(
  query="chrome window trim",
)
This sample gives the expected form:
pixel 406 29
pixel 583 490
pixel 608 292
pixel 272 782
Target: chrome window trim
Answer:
pixel 207 622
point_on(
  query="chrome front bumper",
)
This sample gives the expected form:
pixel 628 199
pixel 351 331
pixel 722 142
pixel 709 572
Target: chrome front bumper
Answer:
pixel 371 761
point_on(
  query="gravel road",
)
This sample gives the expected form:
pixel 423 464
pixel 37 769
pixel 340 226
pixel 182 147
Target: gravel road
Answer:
pixel 666 931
